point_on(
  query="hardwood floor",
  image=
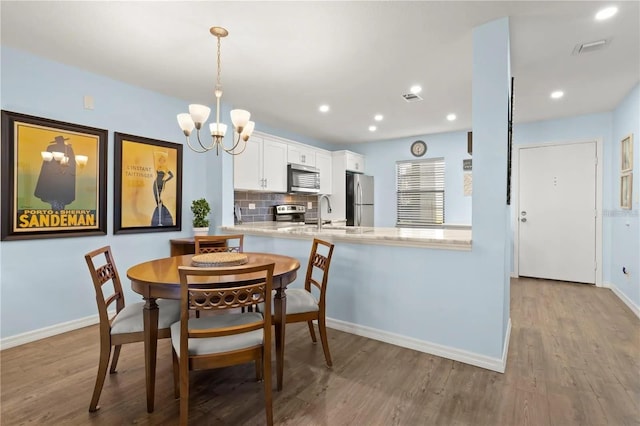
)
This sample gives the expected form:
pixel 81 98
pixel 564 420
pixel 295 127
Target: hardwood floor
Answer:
pixel 574 359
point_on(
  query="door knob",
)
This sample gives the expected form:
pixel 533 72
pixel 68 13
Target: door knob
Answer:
pixel 524 219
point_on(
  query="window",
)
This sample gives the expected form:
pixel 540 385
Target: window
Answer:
pixel 420 192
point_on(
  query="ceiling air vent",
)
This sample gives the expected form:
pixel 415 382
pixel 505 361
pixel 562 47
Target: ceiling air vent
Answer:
pixel 411 97
pixel 590 47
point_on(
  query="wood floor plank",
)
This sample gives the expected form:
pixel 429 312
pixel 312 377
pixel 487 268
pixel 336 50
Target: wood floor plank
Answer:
pixel 574 359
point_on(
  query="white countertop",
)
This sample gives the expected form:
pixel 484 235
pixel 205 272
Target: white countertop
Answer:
pixel 450 239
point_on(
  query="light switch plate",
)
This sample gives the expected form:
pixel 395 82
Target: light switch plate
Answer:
pixel 88 102
pixel 309 204
pixel 252 206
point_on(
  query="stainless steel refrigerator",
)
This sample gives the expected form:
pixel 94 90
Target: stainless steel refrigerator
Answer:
pixel 359 200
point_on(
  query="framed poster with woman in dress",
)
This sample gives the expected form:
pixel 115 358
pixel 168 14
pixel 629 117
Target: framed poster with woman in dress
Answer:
pixel 147 185
pixel 53 178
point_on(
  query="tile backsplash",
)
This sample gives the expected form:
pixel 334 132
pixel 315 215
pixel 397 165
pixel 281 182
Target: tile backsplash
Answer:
pixel 265 203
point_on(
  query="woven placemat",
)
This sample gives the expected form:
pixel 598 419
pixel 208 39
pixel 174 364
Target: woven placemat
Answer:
pixel 219 259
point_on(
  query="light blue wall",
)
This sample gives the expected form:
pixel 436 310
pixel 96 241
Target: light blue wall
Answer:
pixel 624 224
pixel 56 268
pixel 490 216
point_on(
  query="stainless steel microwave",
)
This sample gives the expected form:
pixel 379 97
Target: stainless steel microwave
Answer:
pixel 303 179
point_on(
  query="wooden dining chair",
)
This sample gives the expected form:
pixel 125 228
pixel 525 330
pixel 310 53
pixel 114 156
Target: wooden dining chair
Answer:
pixel 222 340
pixel 302 304
pixel 218 243
pixel 126 326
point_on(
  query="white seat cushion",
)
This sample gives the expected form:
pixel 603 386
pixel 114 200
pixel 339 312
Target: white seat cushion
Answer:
pixel 129 320
pixel 214 345
pixel 300 300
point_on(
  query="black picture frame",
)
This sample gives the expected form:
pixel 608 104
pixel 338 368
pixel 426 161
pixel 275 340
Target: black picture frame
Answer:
pixel 147 195
pixel 509 142
pixel 54 177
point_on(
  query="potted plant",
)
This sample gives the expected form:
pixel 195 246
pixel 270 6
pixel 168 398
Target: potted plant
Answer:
pixel 200 209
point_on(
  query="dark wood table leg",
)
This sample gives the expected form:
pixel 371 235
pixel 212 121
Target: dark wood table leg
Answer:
pixel 150 314
pixel 280 309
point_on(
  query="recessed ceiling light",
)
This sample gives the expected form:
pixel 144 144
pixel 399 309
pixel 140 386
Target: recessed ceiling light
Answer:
pixel 415 89
pixel 606 13
pixel 557 94
pixel 378 117
pixel 324 108
pixel 451 117
pixel 372 128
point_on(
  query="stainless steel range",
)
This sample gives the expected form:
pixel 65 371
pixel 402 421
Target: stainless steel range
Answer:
pixel 293 213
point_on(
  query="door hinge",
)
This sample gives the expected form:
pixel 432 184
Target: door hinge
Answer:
pixel 596 266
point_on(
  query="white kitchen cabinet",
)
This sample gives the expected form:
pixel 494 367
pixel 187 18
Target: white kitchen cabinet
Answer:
pixel 354 162
pixel 324 164
pixel 262 166
pixel 301 154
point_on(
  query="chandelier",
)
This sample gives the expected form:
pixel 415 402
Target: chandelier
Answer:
pixel 198 115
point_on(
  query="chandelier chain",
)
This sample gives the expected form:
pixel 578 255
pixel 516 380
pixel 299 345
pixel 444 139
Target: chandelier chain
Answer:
pixel 219 67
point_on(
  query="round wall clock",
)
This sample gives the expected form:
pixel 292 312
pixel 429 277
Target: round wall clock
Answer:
pixel 418 148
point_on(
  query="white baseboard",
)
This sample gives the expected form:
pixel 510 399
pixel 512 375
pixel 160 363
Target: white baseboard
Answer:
pixel 505 349
pixel 32 336
pixel 624 298
pixel 466 357
pixel 494 364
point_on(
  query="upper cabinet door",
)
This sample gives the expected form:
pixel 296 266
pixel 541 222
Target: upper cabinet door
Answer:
pixel 355 162
pixel 247 167
pixel 274 165
pixel 300 154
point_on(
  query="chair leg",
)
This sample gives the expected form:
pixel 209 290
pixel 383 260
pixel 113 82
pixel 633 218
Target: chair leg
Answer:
pixel 322 327
pixel 259 369
pixel 184 392
pixel 105 353
pixel 312 331
pixel 176 374
pixel 268 402
pixel 114 359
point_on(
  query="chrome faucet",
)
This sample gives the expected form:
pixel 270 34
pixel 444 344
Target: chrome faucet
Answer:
pixel 320 198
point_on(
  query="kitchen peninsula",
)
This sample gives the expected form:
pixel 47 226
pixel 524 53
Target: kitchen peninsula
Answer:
pixel 458 238
pixel 433 270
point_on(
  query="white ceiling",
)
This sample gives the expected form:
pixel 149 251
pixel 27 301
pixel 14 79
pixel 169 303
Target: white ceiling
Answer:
pixel 282 60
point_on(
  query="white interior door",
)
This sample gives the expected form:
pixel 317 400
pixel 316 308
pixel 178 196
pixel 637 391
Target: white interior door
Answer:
pixel 557 212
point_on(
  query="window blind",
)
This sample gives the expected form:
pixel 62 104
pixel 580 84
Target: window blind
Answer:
pixel 420 192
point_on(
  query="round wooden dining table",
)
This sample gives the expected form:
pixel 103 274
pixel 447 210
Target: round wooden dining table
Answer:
pixel 159 278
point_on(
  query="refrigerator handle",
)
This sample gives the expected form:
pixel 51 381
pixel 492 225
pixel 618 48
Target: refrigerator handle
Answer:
pixel 358 204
